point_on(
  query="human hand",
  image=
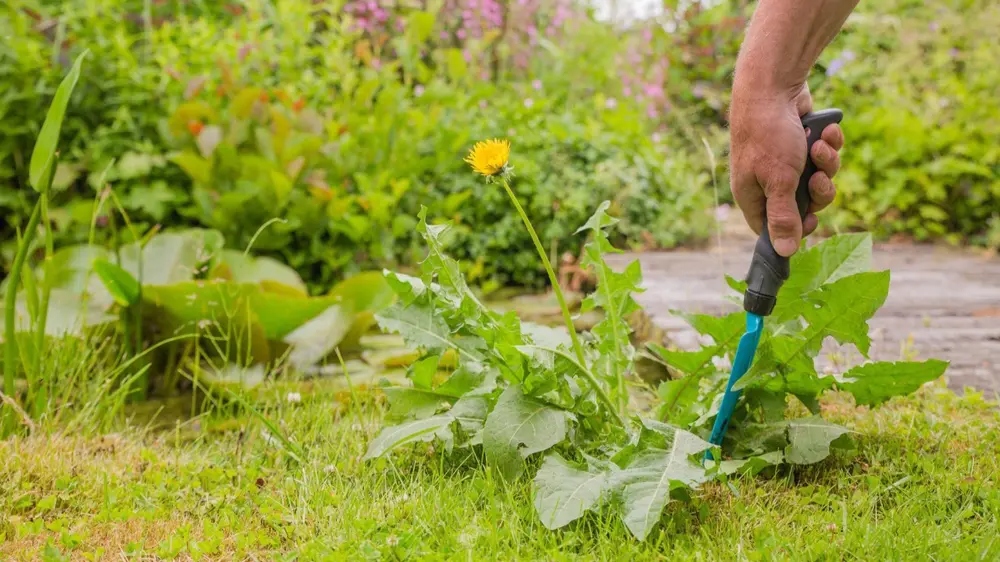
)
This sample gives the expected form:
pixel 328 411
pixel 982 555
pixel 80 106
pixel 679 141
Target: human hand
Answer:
pixel 767 156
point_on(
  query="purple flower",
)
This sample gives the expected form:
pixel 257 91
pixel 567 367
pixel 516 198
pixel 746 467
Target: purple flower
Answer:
pixel 722 213
pixel 834 67
pixel 934 26
pixel 653 90
pixel 698 91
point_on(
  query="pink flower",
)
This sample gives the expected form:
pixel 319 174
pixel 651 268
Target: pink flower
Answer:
pixel 418 90
pixel 611 103
pixel 536 84
pixel 528 102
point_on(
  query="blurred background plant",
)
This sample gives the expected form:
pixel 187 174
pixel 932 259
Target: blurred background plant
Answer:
pixel 341 118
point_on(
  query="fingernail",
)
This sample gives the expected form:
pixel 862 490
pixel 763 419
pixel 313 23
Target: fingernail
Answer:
pixel 785 246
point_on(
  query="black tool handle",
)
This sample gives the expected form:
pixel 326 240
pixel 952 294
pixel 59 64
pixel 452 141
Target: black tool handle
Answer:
pixel 768 269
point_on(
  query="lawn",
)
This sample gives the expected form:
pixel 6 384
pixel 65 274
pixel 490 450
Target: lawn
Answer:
pixel 219 486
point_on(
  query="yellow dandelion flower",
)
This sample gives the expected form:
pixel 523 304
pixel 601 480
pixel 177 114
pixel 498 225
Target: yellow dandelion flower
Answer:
pixel 490 158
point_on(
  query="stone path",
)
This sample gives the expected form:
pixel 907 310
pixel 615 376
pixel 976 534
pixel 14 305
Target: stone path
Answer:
pixel 943 303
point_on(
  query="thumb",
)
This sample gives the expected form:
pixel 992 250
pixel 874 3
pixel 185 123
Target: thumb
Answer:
pixel 783 221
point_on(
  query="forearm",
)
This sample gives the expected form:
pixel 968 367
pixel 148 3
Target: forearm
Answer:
pixel 783 42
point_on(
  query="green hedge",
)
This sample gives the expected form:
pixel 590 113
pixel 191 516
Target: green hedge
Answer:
pixel 918 82
pixel 382 140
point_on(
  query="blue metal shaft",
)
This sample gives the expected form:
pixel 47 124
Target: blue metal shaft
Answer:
pixel 745 352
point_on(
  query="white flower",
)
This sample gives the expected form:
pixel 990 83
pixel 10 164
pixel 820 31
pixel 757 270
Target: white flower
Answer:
pixel 294 397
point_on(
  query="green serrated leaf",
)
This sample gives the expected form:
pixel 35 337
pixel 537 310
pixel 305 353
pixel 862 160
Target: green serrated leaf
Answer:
pixel 827 262
pixel 518 427
pixel 563 493
pixel 44 153
pixel 423 327
pixel 842 309
pixel 614 296
pixel 809 439
pixel 874 383
pixel 645 484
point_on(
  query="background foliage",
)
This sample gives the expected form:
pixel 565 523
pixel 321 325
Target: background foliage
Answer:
pixel 343 118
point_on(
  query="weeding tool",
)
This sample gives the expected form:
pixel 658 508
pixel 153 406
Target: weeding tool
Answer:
pixel 768 271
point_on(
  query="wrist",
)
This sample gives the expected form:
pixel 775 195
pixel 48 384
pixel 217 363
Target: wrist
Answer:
pixel 760 79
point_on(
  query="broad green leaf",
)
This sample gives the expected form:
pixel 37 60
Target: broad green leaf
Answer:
pixel 69 314
pixel 318 336
pixel 518 427
pixel 842 309
pixel 679 401
pixel 827 262
pixel 752 466
pixel 212 307
pixel 470 377
pixel 171 257
pixel 418 430
pixel 646 482
pixel 874 383
pixel 43 155
pixel 198 168
pixel 368 291
pixel 784 363
pixel 809 439
pixel 563 493
pixel 70 268
pixel 244 268
pixel 415 403
pixel 122 286
pixel 423 327
pixel 422 372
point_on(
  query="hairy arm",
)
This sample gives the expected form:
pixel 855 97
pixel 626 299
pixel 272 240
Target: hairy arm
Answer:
pixel 783 42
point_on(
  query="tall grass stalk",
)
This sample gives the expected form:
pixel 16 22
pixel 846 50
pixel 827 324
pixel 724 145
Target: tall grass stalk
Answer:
pixel 10 361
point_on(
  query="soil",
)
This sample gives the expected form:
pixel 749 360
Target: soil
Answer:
pixel 943 303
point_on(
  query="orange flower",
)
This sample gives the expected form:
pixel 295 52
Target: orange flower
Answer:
pixel 299 104
pixel 195 127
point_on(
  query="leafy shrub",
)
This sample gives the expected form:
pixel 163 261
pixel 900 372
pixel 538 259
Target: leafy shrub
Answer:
pixel 390 111
pixel 914 80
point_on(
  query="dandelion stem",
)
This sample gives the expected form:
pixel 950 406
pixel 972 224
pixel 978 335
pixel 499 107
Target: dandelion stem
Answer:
pixel 567 317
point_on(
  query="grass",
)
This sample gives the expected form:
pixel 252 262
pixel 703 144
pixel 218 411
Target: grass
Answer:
pixel 925 485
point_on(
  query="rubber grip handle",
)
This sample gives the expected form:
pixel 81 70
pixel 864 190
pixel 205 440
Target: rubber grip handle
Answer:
pixel 769 270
